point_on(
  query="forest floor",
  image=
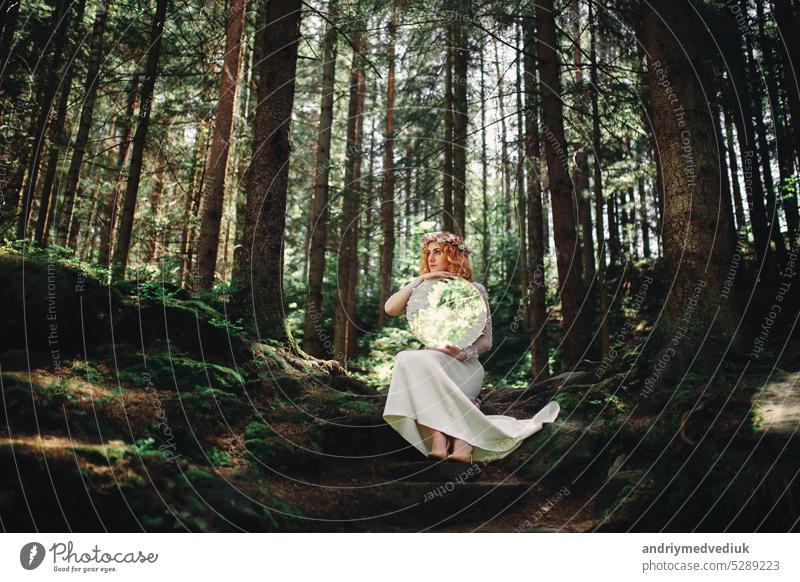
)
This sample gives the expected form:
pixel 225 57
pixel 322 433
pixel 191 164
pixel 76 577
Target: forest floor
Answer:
pixel 154 415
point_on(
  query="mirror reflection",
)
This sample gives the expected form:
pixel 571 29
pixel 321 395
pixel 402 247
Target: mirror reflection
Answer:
pixel 446 311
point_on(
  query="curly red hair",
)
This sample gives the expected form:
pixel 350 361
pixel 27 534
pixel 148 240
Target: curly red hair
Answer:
pixel 456 260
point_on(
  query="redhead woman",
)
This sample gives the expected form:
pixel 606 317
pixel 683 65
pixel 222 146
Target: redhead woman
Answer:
pixel 432 395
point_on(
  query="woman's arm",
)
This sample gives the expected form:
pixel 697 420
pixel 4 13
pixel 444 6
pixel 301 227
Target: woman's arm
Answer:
pixel 397 302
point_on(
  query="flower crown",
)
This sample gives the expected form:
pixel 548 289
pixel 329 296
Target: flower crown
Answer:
pixel 444 237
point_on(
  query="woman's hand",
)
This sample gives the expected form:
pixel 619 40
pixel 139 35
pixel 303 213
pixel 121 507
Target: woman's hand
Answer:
pixel 452 350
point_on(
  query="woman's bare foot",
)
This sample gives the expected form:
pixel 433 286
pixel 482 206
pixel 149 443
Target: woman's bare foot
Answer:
pixel 462 451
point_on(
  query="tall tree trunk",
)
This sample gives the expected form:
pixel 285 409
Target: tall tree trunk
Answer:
pixel 318 216
pixel 59 142
pixel 63 237
pixel 387 189
pixel 630 226
pixel 540 369
pixel 602 291
pixel 643 218
pixel 581 172
pixel 155 205
pixel 88 242
pixel 262 257
pixel 486 264
pixel 408 183
pixel 348 249
pixel 622 214
pixel 580 181
pixel 10 19
pixel 647 115
pixel 248 113
pixel 546 219
pixel 367 261
pixel 789 48
pixel 725 185
pixel 789 187
pixel 460 113
pixel 22 112
pixel 636 225
pixel 109 216
pixel 786 192
pixel 575 330
pixel 698 234
pixel 614 243
pixel 193 220
pixel 734 168
pixel 447 171
pixel 345 315
pixel 504 165
pixel 183 269
pixel 742 112
pixel 658 194
pixel 233 180
pixel 522 210
pixel 351 348
pixel 773 224
pixel 214 197
pixel 59 25
pixel 125 230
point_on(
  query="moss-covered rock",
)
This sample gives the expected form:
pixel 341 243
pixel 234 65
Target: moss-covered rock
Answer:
pixel 183 373
pixel 565 450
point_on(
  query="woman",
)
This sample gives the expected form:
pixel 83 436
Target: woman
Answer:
pixel 431 399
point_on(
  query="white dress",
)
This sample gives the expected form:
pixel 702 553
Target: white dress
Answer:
pixel 432 389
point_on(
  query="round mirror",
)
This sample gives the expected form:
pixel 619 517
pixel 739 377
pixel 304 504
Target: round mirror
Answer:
pixel 446 311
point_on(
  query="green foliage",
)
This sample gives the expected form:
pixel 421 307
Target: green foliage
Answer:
pixel 588 400
pixel 331 403
pixel 257 430
pixel 89 371
pixel 50 395
pixel 268 452
pixel 267 358
pixel 158 285
pixel 185 373
pixel 211 399
pixel 567 401
pixel 757 416
pixel 58 255
pixel 236 327
pixel 193 475
pixel 220 458
pixel 277 518
pixel 147 446
pixel 143 285
pixel 110 453
pixel 376 368
pixel 507 373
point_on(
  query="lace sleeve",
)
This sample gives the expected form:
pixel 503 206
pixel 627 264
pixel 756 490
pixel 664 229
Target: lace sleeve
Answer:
pixel 484 341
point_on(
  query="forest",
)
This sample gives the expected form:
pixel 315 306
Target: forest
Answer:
pixel 205 205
